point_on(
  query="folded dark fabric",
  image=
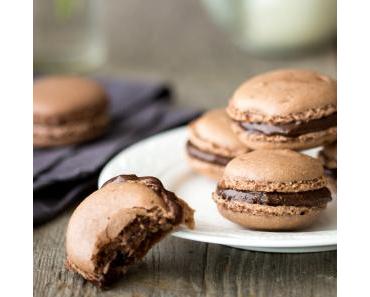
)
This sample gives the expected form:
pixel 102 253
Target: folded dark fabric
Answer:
pixel 62 176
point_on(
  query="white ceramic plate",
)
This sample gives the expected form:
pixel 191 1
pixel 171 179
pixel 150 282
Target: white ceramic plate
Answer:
pixel 163 156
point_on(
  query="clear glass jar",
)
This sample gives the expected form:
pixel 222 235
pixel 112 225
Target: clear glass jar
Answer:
pixel 276 26
pixel 68 35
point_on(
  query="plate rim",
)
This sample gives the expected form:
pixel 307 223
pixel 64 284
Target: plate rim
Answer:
pixel 330 236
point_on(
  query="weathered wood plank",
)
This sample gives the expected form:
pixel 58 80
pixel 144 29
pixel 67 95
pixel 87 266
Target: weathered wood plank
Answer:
pixel 246 273
pixel 177 267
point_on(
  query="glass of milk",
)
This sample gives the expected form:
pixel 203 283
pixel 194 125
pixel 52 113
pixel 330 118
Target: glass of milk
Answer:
pixel 276 26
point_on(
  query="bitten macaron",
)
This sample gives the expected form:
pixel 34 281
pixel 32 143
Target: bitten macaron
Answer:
pixel 272 190
pixel 328 157
pixel 68 110
pixel 116 226
pixel 289 108
pixel 212 143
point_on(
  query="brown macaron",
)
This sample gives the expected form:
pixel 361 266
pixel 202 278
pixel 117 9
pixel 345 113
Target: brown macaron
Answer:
pixel 212 143
pixel 328 157
pixel 67 110
pixel 116 226
pixel 289 108
pixel 272 190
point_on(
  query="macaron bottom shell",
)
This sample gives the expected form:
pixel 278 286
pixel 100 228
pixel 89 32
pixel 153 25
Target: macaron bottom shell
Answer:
pixel 268 221
pixel 56 135
pixel 210 170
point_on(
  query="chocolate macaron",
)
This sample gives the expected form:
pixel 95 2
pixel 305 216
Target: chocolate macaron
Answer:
pixel 116 226
pixel 328 157
pixel 293 109
pixel 212 143
pixel 272 190
pixel 67 110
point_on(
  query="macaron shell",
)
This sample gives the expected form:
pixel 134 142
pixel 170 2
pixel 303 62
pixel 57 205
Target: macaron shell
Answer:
pixel 258 141
pixel 212 132
pixel 284 92
pixel 270 222
pixel 331 150
pixel 274 166
pixel 328 156
pixel 328 163
pixel 75 132
pixel 212 171
pixel 64 98
pixel 83 240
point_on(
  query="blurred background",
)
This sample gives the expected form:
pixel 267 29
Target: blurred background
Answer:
pixel 203 49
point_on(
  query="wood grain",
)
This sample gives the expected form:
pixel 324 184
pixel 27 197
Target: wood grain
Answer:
pixel 177 267
pixel 156 40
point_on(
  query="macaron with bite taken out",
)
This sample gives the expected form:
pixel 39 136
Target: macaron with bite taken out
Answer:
pixel 115 226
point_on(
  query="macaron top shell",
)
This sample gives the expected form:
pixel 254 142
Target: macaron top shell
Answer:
pixel 284 92
pixel 62 98
pixel 274 170
pixel 212 132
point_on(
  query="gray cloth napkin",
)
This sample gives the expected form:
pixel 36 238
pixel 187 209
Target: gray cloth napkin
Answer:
pixel 65 175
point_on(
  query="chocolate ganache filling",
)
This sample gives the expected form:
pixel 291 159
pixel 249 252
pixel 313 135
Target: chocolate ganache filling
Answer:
pixel 292 129
pixel 312 198
pixel 206 156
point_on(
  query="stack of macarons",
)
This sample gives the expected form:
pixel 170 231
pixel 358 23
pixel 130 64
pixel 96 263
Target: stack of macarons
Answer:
pixel 252 146
pixel 293 109
pixel 68 110
pixel 212 144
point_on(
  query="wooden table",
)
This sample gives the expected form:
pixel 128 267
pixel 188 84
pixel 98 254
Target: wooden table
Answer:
pixel 175 41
